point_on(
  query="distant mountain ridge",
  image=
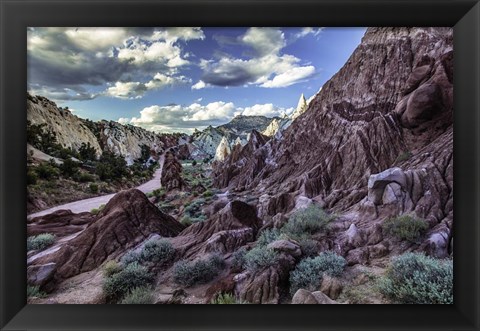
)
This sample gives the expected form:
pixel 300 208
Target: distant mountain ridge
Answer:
pixel 126 140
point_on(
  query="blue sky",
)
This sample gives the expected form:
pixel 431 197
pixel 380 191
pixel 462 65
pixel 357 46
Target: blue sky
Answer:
pixel 178 79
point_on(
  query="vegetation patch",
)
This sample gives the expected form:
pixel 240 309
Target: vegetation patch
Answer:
pixel 138 296
pixel 405 227
pixel 308 274
pixel 199 271
pixel 260 258
pixel 121 283
pixel 414 278
pixel 111 267
pixel 226 299
pixel 40 242
pixel 306 222
pixel 159 251
pixel 34 292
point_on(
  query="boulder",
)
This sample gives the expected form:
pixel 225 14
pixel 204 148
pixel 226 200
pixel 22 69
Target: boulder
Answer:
pixel 304 297
pixel 331 286
pixel 41 274
pixel 287 247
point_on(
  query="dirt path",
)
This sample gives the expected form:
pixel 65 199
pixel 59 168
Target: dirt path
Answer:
pixel 91 203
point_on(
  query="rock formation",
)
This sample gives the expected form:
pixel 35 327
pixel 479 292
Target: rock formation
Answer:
pixel 389 106
pixel 171 173
pixel 128 219
pixel 69 129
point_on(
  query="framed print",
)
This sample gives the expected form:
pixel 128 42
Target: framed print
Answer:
pixel 299 161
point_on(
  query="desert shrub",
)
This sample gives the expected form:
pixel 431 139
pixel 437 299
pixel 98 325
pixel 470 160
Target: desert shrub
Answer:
pixel 85 178
pixel 68 168
pixel 417 279
pixel 260 258
pixel 34 292
pixel 197 272
pixel 199 218
pixel 309 247
pixel 86 152
pixel 308 274
pixel 138 296
pixel 307 221
pixel 93 188
pixel 238 259
pixel 207 194
pixel 118 285
pixel 405 227
pixel 226 299
pixel 31 177
pixel 47 170
pixel 160 192
pixel 111 267
pixel 159 251
pixel 40 241
pixel 111 167
pixel 130 257
pixel 95 211
pixel 194 163
pixel 186 220
pixel 267 236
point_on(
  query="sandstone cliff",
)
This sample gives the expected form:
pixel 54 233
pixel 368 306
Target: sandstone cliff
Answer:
pixel 389 106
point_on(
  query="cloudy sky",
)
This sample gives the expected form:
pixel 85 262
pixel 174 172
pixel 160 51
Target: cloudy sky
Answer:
pixel 178 79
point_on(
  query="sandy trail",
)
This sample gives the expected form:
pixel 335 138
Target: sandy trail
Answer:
pixel 91 203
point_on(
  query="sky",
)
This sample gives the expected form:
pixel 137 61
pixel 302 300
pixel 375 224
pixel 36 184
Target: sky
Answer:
pixel 179 79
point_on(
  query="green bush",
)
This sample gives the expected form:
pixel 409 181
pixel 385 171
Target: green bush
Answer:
pixel 93 188
pixel 85 178
pixel 197 272
pixel 308 274
pixel 269 235
pixel 95 211
pixel 40 241
pixel 306 222
pixel 31 177
pixel 413 278
pixel 68 168
pixel 405 227
pixel 260 258
pixel 138 296
pixel 225 299
pixel 159 251
pixel 47 170
pixel 111 267
pixel 238 259
pixel 130 257
pixel 186 220
pixel 118 285
pixel 34 292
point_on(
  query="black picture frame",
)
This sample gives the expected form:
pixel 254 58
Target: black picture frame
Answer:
pixel 16 15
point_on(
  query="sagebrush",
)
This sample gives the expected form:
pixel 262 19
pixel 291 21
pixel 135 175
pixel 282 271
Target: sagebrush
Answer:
pixel 418 279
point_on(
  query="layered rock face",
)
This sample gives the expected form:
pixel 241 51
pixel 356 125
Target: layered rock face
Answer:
pixel 389 106
pixel 128 219
pixel 69 129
